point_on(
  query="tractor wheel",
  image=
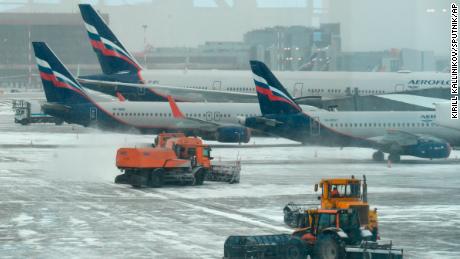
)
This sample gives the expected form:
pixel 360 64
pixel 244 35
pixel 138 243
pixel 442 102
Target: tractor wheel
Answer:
pixel 139 179
pixel 378 156
pixel 328 246
pixel 296 249
pixel 122 179
pixel 394 157
pixel 156 178
pixel 199 177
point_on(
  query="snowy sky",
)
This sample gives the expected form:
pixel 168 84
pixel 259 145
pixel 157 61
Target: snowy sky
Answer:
pixel 365 25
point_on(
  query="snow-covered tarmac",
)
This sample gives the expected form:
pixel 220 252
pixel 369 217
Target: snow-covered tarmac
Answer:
pixel 58 199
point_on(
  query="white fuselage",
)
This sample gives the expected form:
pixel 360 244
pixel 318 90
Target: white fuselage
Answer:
pixel 358 124
pixel 302 83
pixel 375 124
pixel 159 114
pixel 443 116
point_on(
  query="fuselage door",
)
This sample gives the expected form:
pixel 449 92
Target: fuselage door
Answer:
pixel 315 126
pixel 93 114
pixel 298 89
pixel 216 85
pixel 399 87
pixel 141 91
pixel 348 91
pixel 217 116
pixel 209 116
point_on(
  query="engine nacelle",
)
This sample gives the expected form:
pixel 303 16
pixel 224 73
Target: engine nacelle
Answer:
pixel 232 134
pixel 429 147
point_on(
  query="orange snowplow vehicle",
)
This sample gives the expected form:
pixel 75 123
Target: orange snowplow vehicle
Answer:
pixel 338 193
pixel 175 158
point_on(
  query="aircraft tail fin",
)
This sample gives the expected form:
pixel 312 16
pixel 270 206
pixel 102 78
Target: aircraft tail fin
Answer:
pixel 112 55
pixel 59 84
pixel 273 97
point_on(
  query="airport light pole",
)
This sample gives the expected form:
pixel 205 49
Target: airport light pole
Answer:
pixel 145 26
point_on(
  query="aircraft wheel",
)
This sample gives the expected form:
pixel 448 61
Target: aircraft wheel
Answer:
pixel 394 157
pixel 378 156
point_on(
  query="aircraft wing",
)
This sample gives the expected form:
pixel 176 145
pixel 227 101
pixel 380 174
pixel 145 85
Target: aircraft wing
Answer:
pixel 190 94
pixel 427 102
pixel 187 122
pixel 267 121
pixel 396 137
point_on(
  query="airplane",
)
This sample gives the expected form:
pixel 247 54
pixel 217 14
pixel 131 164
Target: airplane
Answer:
pixel 443 116
pixel 397 133
pixel 68 100
pixel 123 73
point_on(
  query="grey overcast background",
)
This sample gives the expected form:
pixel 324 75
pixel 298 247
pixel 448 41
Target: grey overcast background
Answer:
pixel 365 24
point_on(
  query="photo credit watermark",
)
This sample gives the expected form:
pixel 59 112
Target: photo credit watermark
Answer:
pixel 454 61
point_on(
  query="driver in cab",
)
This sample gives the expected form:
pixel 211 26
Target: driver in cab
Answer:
pixel 335 193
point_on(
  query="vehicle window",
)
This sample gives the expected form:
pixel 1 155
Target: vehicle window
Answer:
pixel 345 190
pixel 191 151
pixel 344 220
pixel 326 221
pixel 206 152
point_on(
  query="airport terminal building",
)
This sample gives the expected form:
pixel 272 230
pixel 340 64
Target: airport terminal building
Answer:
pixel 64 32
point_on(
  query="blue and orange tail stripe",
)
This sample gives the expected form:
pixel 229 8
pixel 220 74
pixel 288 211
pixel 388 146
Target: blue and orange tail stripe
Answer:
pixel 112 55
pixel 109 48
pixel 273 97
pixel 273 94
pixel 57 79
pixel 59 84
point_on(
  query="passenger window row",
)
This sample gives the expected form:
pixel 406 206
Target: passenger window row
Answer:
pixel 394 125
pixel 196 87
pixel 156 114
pixel 240 89
pixel 140 114
pixel 246 115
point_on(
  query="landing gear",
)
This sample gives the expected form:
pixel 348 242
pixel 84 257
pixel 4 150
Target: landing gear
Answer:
pixel 394 157
pixel 378 156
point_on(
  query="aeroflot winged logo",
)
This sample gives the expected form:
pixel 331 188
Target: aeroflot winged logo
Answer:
pixel 272 93
pixel 427 118
pixel 107 47
pixel 57 79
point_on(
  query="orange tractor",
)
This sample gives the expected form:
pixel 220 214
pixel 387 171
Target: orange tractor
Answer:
pixel 328 234
pixel 338 193
pixel 343 227
pixel 175 158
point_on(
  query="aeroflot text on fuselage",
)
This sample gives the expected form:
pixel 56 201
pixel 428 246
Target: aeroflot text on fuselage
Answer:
pixel 414 84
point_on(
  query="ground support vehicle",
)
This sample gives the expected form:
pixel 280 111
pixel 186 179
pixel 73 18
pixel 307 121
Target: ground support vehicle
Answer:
pixel 337 193
pixel 174 159
pixel 331 234
pixel 31 112
pixel 228 171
